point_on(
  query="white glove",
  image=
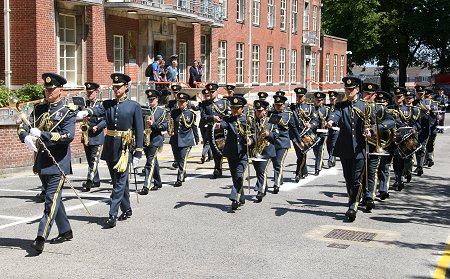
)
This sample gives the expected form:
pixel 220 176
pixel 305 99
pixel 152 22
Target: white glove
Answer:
pixel 29 141
pixel 136 161
pixel 35 132
pixel 82 114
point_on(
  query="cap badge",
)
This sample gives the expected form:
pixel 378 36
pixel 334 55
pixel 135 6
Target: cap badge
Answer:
pixel 369 86
pixel 318 94
pixel 398 90
pixel 116 78
pixel 349 81
pixel 235 101
pixel 88 85
pixel 48 79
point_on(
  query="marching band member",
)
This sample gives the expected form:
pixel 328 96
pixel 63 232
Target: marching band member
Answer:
pixel 435 116
pixel 93 137
pixel 54 124
pixel 236 147
pixel 333 132
pixel 426 118
pixel 320 113
pixel 287 129
pixel 123 120
pixel 303 112
pixel 207 151
pixel 442 100
pixel 264 135
pixel 184 135
pixel 154 124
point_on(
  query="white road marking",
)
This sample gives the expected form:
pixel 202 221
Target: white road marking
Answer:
pixel 289 186
pixel 11 217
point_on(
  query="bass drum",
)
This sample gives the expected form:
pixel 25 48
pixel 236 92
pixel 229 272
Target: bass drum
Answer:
pixel 309 140
pixel 218 136
pixel 408 143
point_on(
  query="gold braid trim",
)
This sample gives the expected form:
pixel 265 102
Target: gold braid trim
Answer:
pixel 122 164
pixel 187 125
pixel 285 124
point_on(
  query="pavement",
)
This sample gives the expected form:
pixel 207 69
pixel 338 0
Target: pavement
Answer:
pixel 190 232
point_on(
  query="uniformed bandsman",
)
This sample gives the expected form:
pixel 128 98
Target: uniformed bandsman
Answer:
pixel 155 123
pixel 320 113
pixel 442 100
pixel 262 96
pixel 351 142
pixel 425 121
pixel 303 112
pixel 207 153
pixel 333 132
pixel 229 91
pixel 236 147
pixel 54 124
pixel 264 135
pixel 287 128
pixel 183 138
pixel 123 120
pixel 92 137
pixel 434 121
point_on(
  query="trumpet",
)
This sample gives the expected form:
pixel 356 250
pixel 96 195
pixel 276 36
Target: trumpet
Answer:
pixel 147 130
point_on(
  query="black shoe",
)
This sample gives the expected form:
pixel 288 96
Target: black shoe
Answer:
pixel 159 186
pixel 259 196
pixel 217 173
pixel 297 178
pixel 419 171
pixel 62 237
pixel 154 188
pixel 276 189
pixel 430 163
pixel 178 183
pixel 351 215
pixel 209 159
pixel 304 176
pixel 111 222
pixel 96 185
pixel 400 186
pixel 174 165
pixel 241 203
pixel 87 186
pixel 384 195
pixel 38 244
pixel 40 197
pixel 234 205
pixel 408 177
pixel 317 172
pixel 202 160
pixel 370 204
pixel 125 215
pixel 143 191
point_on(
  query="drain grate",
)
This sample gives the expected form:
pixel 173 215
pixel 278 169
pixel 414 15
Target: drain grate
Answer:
pixel 351 235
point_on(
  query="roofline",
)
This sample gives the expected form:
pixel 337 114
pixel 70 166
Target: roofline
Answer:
pixel 333 37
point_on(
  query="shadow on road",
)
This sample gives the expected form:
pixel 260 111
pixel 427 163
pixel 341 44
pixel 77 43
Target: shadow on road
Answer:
pixel 222 207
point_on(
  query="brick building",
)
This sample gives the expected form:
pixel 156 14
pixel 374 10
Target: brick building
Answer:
pixel 267 44
pixel 333 63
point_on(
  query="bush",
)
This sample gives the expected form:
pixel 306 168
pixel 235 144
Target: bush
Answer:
pixel 30 92
pixel 4 96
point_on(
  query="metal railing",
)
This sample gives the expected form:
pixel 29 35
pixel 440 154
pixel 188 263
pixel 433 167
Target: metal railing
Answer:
pixel 309 37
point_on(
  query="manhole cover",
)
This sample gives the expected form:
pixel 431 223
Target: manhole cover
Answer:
pixel 351 235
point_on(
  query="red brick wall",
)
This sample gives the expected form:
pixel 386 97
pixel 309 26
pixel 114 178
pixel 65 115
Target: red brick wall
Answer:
pixel 332 45
pixel 2 39
pixel 15 154
pixel 186 35
pixel 234 32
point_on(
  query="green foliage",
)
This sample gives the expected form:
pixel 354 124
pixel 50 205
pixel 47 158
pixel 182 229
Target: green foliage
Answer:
pixel 4 96
pixel 30 92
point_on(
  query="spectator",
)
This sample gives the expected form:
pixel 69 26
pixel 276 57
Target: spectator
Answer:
pixel 172 72
pixel 162 71
pixel 195 74
pixel 153 70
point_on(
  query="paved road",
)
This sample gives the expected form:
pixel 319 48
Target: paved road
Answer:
pixel 189 232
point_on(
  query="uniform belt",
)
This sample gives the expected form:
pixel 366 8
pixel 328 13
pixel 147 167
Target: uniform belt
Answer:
pixel 116 133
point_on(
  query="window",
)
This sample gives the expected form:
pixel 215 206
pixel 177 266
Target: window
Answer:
pixel 294 65
pixel 185 5
pixel 282 64
pixel 269 64
pixel 182 63
pixel 256 11
pixel 255 64
pixel 225 8
pixel 313 66
pixel 222 65
pixel 240 10
pixel 327 68
pixel 342 67
pixel 270 13
pixel 239 63
pixel 335 61
pixel 306 17
pixel 315 9
pixel 283 15
pixel 294 16
pixel 203 58
pixel 67 48
pixel 118 54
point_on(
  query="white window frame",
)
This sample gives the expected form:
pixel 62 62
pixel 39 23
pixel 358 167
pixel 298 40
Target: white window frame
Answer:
pixel 270 13
pixel 182 62
pixel 240 10
pixel 256 12
pixel 282 15
pixel 293 66
pixel 222 62
pixel 294 27
pixel 306 17
pixel 335 66
pixel 342 67
pixel 240 48
pixel 119 59
pixel 315 10
pixel 203 61
pixel 269 72
pixel 327 68
pixel 282 65
pixel 255 63
pixel 64 45
pixel 313 66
